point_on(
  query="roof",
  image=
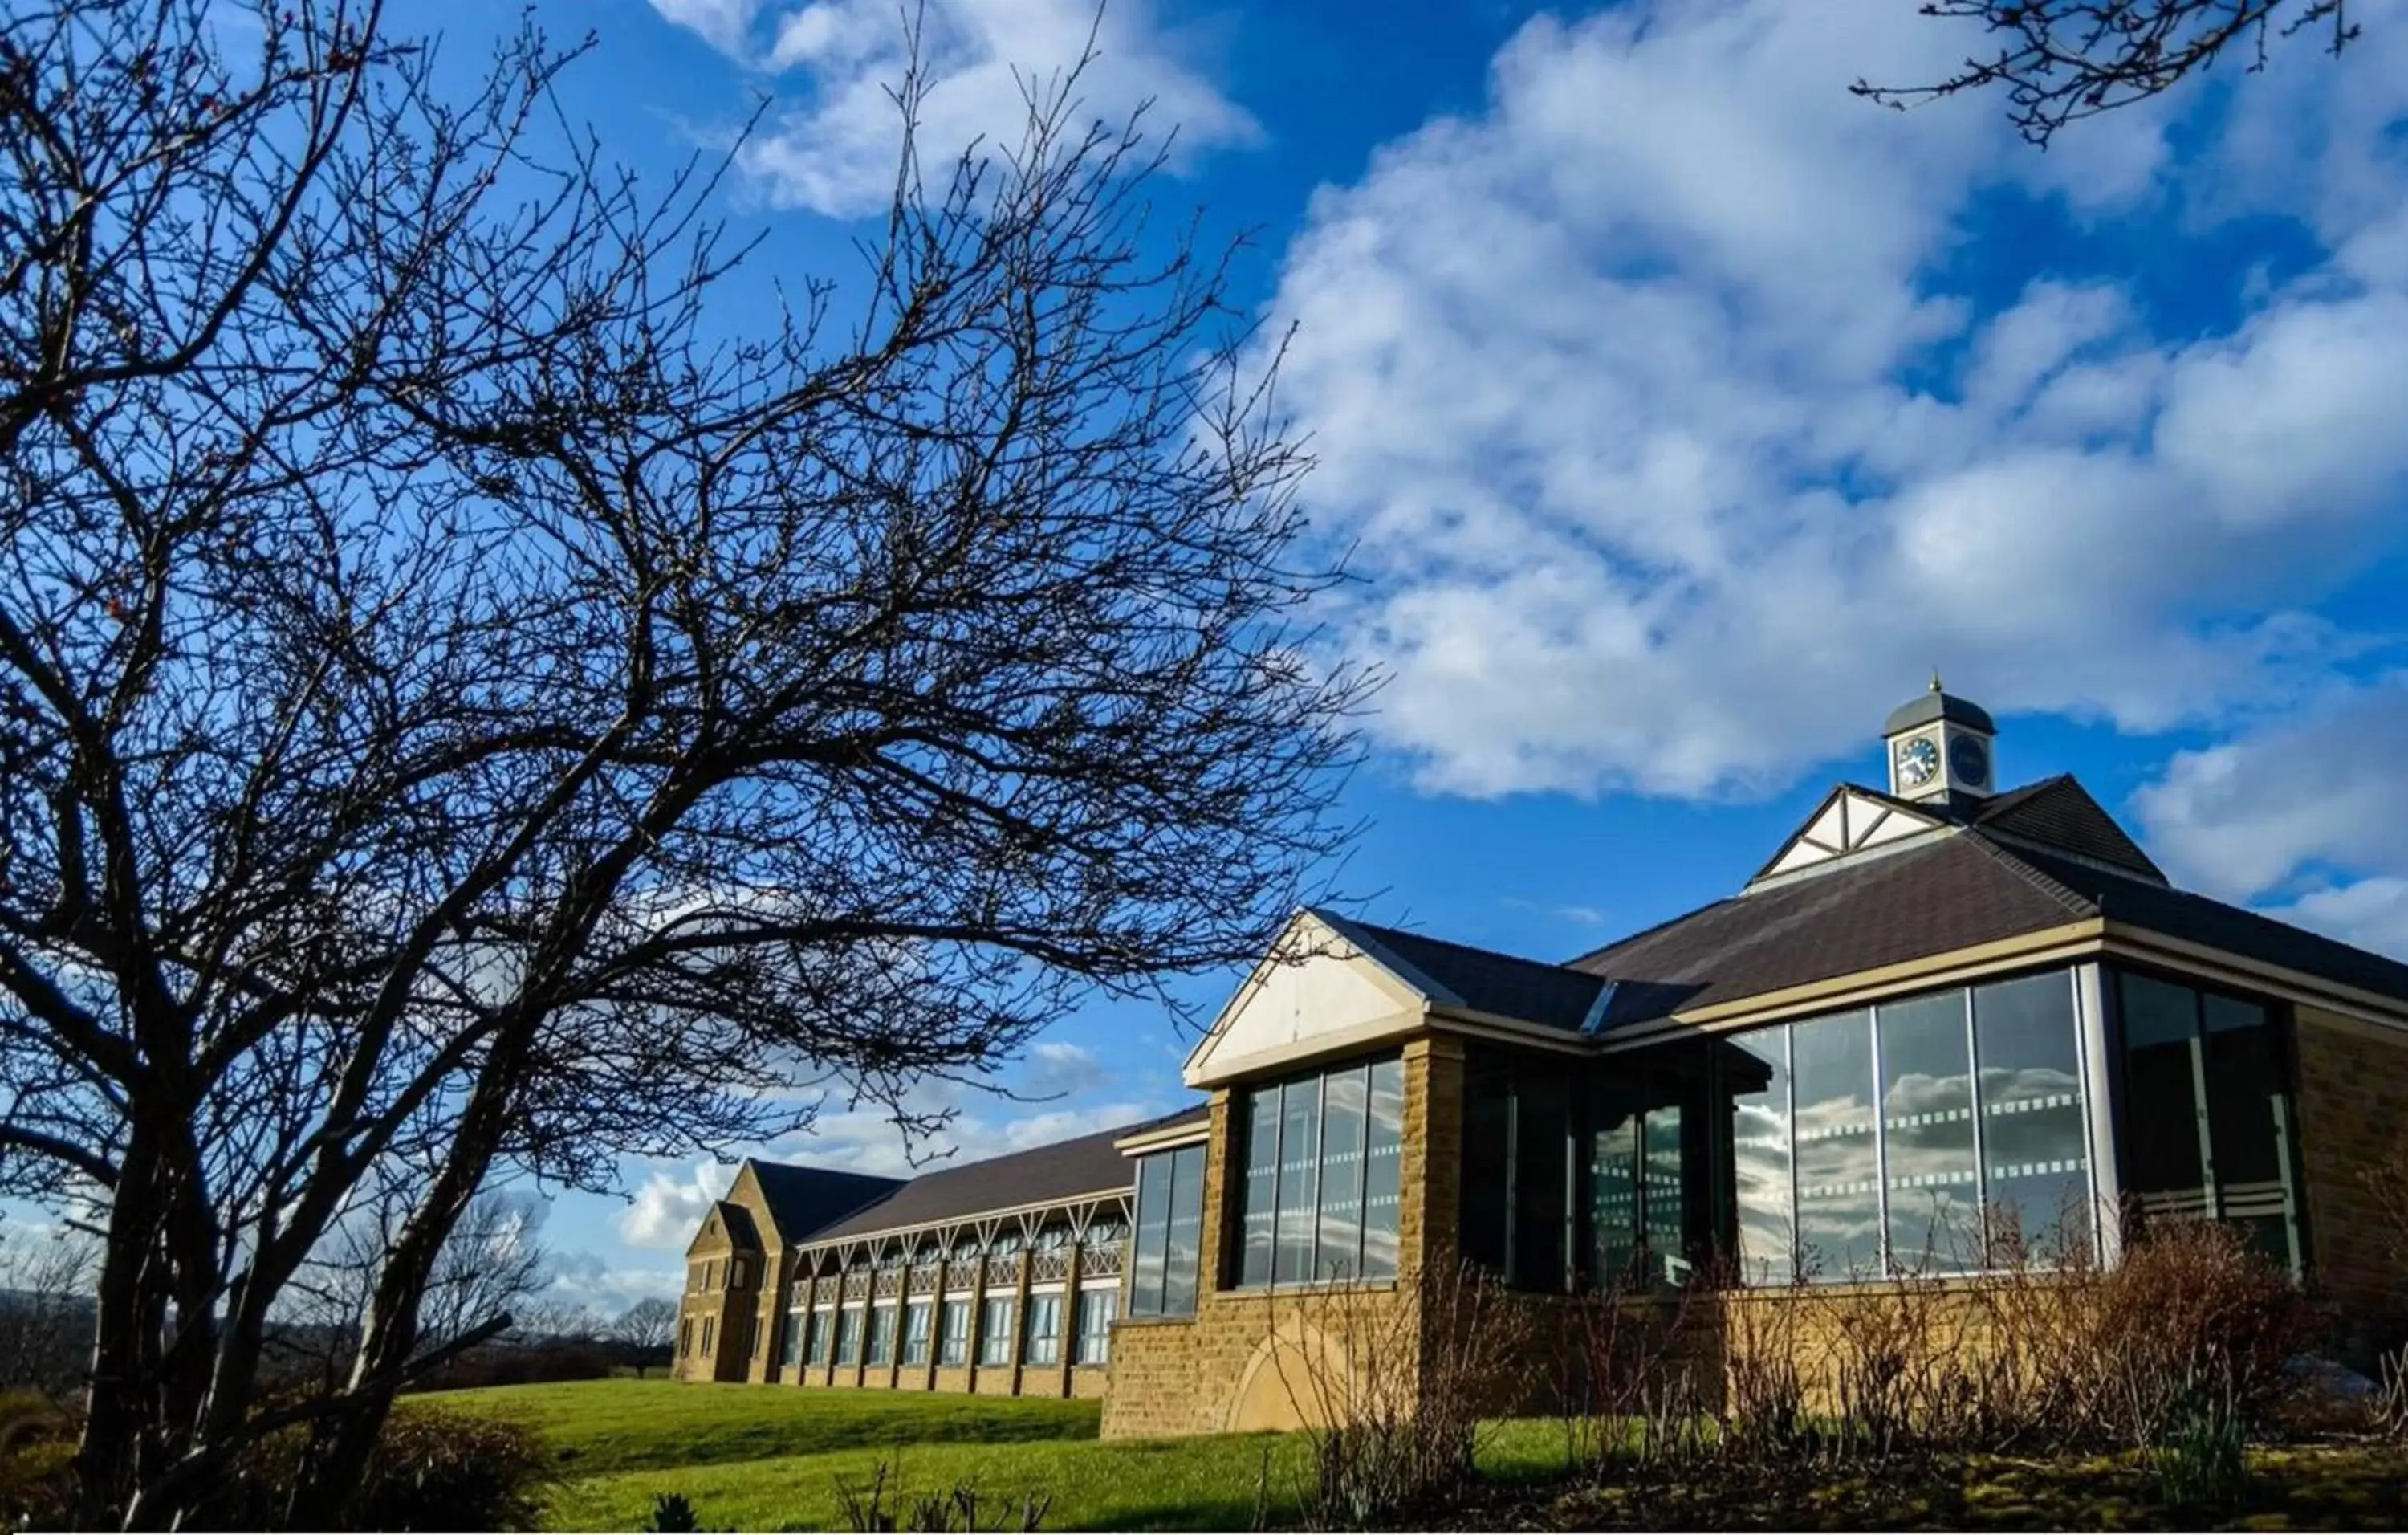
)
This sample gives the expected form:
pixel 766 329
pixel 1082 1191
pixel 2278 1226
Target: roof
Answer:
pixel 738 1222
pixel 1480 979
pixel 1952 892
pixel 1087 1165
pixel 802 1199
pixel 2059 813
pixel 1936 705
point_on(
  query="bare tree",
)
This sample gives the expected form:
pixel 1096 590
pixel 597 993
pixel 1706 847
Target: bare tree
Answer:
pixel 650 1324
pixel 471 707
pixel 2060 60
pixel 45 1289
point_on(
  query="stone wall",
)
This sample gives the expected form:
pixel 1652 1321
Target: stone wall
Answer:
pixel 2352 1107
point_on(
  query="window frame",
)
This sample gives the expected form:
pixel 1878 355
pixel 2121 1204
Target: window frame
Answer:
pixel 1093 1299
pixel 1287 1227
pixel 999 1323
pixel 953 1349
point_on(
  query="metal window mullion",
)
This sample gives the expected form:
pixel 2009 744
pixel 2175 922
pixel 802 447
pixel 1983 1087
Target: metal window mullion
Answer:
pixel 2102 1129
pixel 1881 1143
pixel 1973 1101
pixel 1789 1119
pixel 2215 1186
pixel 1513 1176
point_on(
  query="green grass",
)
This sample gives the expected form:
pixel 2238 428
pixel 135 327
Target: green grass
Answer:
pixel 1210 1482
pixel 760 1459
pixel 601 1426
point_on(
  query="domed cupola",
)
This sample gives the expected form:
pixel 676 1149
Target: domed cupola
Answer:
pixel 1939 748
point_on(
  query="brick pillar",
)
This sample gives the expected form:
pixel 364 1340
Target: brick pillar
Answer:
pixel 936 1320
pixel 1211 1241
pixel 1069 1346
pixel 1430 1169
pixel 970 1350
pixel 1020 1320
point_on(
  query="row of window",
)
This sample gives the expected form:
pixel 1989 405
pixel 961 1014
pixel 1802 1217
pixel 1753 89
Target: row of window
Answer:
pixel 1322 1159
pixel 867 1334
pixel 706 1276
pixel 1943 1133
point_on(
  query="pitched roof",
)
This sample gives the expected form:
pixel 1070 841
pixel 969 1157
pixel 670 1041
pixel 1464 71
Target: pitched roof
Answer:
pixel 2059 813
pixel 1088 1165
pixel 1950 893
pixel 802 1199
pixel 2202 919
pixel 1481 979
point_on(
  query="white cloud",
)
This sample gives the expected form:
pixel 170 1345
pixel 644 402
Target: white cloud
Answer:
pixel 834 151
pixel 866 1139
pixel 587 1280
pixel 667 1209
pixel 1059 1068
pixel 725 24
pixel 2319 789
pixel 1677 451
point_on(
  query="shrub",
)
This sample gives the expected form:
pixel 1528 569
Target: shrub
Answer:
pixel 673 1514
pixel 961 1507
pixel 36 1462
pixel 430 1469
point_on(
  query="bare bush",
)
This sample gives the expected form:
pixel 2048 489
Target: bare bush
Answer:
pixel 1393 1387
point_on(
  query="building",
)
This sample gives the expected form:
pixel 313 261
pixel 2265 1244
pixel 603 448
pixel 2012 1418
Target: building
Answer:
pixel 1939 1020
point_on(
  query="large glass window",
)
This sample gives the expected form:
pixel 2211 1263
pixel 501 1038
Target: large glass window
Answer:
pixel 1096 1311
pixel 1839 1176
pixel 819 1336
pixel 848 1336
pixel 1319 1196
pixel 954 1334
pixel 882 1335
pixel 995 1332
pixel 915 1333
pixel 1933 1176
pixel 790 1349
pixel 1169 1232
pixel 1754 1075
pixel 2035 1140
pixel 1043 1344
pixel 1574 1174
pixel 2207 1115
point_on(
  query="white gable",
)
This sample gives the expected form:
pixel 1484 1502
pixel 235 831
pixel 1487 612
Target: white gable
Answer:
pixel 1848 822
pixel 1315 987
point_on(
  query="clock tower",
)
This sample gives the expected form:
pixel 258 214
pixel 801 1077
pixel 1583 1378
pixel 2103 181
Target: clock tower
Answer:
pixel 1938 747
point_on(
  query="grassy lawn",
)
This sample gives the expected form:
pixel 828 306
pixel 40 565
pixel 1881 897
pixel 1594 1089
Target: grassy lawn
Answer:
pixel 760 1458
pixel 1210 1483
pixel 629 1425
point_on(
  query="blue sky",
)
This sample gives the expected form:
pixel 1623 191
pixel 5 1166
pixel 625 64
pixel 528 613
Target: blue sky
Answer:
pixel 1685 411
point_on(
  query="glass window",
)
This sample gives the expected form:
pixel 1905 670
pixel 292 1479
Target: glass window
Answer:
pixel 2248 1126
pixel 1318 1196
pixel 710 1325
pixel 1755 1070
pixel 1259 1201
pixel 1487 1211
pixel 790 1352
pixel 2214 1065
pixel 882 1334
pixel 1839 1194
pixel 2165 1127
pixel 820 1329
pixel 994 1332
pixel 1384 1148
pixel 953 1339
pixel 1345 1105
pixel 1299 1180
pixel 1096 1311
pixel 1613 1121
pixel 915 1333
pixel 1184 1252
pixel 1933 1174
pixel 1153 1234
pixel 1043 1344
pixel 848 1336
pixel 2035 1147
pixel 1541 1180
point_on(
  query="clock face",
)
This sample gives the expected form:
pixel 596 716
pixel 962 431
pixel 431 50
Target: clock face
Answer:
pixel 1918 760
pixel 1969 760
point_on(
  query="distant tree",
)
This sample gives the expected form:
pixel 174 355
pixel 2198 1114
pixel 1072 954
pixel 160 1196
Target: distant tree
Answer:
pixel 46 1301
pixel 650 1324
pixel 2060 60
pixel 482 696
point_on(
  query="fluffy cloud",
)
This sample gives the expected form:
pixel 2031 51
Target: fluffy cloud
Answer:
pixel 1680 432
pixel 834 152
pixel 665 1211
pixel 588 1281
pixel 2302 811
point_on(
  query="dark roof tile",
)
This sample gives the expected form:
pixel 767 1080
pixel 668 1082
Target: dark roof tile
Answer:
pixel 1481 980
pixel 1087 1165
